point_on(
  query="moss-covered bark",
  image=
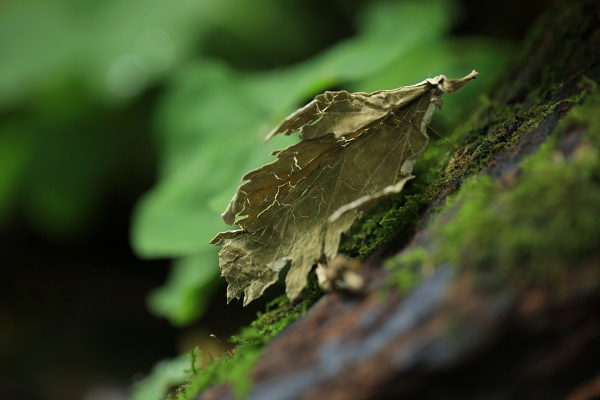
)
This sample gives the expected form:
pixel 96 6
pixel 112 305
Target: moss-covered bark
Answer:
pixel 496 294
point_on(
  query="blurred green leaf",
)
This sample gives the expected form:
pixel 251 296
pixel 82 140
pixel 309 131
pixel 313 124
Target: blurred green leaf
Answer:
pixel 67 66
pixel 165 375
pixel 390 32
pixel 48 41
pixel 191 282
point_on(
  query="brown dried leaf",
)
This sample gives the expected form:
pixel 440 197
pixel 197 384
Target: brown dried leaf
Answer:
pixel 355 148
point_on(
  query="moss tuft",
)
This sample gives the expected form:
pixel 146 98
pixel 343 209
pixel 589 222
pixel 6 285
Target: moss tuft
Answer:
pixel 394 219
pixel 538 223
pixel 234 369
pixel 408 268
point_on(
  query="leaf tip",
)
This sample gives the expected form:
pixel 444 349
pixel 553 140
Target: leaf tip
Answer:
pixel 454 85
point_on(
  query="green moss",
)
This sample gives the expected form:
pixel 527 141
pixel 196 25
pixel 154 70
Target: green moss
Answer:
pixel 385 225
pixel 497 122
pixel 530 229
pixel 492 129
pixel 234 368
pixel 586 116
pixel 408 268
pixel 396 218
pixel 535 225
pixel 521 99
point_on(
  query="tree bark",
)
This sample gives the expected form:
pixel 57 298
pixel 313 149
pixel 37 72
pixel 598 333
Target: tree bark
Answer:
pixel 448 338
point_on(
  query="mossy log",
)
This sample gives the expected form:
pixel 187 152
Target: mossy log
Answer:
pixel 504 264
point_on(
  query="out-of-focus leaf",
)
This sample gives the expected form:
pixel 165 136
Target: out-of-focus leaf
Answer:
pixel 208 117
pixel 47 42
pixel 66 65
pixel 385 42
pixel 190 283
pixel 165 375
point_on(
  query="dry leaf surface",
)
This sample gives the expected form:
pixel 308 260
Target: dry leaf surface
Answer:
pixel 355 148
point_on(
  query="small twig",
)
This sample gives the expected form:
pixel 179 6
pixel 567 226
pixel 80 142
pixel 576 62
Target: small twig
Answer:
pixel 212 335
pixel 445 140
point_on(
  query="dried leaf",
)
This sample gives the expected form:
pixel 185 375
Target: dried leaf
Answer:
pixel 355 148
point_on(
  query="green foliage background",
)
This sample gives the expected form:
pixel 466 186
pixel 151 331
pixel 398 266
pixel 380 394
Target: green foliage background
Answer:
pixel 94 95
